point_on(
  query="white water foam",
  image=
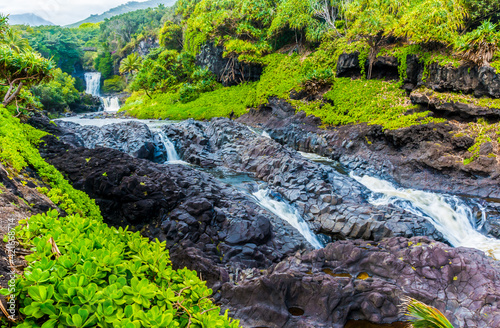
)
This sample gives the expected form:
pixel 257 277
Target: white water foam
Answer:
pixel 449 214
pixel 288 213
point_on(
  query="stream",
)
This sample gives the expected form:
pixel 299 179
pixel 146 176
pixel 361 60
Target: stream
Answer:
pixel 454 217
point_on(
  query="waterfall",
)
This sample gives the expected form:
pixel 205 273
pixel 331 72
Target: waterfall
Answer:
pixel 93 82
pixel 111 104
pixel 288 213
pixel 93 87
pixel 172 156
pixel 449 214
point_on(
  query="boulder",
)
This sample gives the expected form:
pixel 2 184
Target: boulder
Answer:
pixel 360 280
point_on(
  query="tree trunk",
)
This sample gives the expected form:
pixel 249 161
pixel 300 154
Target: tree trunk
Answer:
pixel 10 97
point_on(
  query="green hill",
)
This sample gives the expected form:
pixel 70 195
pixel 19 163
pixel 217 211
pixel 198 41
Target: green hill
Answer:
pixel 122 9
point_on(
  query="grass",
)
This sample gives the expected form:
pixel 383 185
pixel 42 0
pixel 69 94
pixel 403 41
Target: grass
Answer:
pixel 366 101
pixel 218 103
pixel 461 98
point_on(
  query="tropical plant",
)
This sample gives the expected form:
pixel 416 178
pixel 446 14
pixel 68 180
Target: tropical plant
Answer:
pixel 15 41
pixel 424 21
pixel 161 71
pixel 480 45
pixel 424 316
pixel 18 70
pixel 373 21
pixel 130 64
pixel 171 36
pixel 59 94
pixel 114 84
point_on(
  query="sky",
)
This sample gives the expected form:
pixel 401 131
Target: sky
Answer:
pixel 60 12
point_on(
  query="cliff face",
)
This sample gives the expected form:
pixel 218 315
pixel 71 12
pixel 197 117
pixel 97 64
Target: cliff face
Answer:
pixel 229 71
pixel 479 81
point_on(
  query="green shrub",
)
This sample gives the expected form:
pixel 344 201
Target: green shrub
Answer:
pixel 365 101
pixel 59 93
pixel 106 277
pixel 113 84
pixel 219 103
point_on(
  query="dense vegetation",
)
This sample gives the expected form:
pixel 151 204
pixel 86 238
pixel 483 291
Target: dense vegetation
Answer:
pixel 81 272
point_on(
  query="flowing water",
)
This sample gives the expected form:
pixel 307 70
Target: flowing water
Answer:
pixel 111 104
pixel 264 197
pixel 452 216
pixel 93 87
pixel 93 83
pixel 288 213
pixel 172 156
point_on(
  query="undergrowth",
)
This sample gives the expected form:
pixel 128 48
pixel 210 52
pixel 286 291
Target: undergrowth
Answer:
pixel 83 273
pixel 368 101
pixel 219 103
pixel 461 98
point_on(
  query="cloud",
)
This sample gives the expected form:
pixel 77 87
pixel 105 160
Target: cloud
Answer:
pixel 61 12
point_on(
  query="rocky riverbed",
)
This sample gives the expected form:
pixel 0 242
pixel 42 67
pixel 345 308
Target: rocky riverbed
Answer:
pixel 263 268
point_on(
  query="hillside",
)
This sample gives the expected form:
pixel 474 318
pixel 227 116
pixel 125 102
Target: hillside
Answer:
pixel 122 9
pixel 28 19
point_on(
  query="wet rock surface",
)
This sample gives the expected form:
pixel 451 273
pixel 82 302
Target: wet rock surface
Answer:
pixel 428 157
pixel 333 203
pixel 211 226
pixel 133 138
pixel 359 280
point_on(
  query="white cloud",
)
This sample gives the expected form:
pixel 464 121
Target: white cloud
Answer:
pixel 60 12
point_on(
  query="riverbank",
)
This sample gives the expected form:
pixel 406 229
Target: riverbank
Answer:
pixel 208 227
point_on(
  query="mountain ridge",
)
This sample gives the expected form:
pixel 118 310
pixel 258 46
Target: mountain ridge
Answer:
pixel 121 9
pixel 28 19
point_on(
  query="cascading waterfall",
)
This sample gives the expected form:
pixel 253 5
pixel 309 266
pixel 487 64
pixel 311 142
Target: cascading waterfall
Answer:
pixel 172 156
pixel 111 104
pixel 288 213
pixel 449 214
pixel 93 82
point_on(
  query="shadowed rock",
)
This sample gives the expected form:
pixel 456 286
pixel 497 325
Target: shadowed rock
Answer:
pixel 365 281
pixel 335 204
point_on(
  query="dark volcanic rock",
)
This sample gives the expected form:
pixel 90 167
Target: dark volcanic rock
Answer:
pixel 133 138
pixel 229 70
pixel 365 281
pixel 453 109
pixel 335 204
pixel 480 81
pixel 428 157
pixel 194 212
pixel 384 67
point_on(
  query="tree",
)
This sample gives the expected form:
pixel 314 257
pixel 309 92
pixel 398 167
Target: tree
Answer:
pixel 171 36
pixel 130 64
pixel 374 21
pixel 161 71
pixel 104 64
pixel 18 70
pixel 425 21
pixel 59 93
pixel 15 41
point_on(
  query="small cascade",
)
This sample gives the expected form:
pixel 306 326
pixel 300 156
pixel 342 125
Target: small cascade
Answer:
pixel 111 104
pixel 172 156
pixel 265 134
pixel 93 87
pixel 288 213
pixel 449 214
pixel 93 83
